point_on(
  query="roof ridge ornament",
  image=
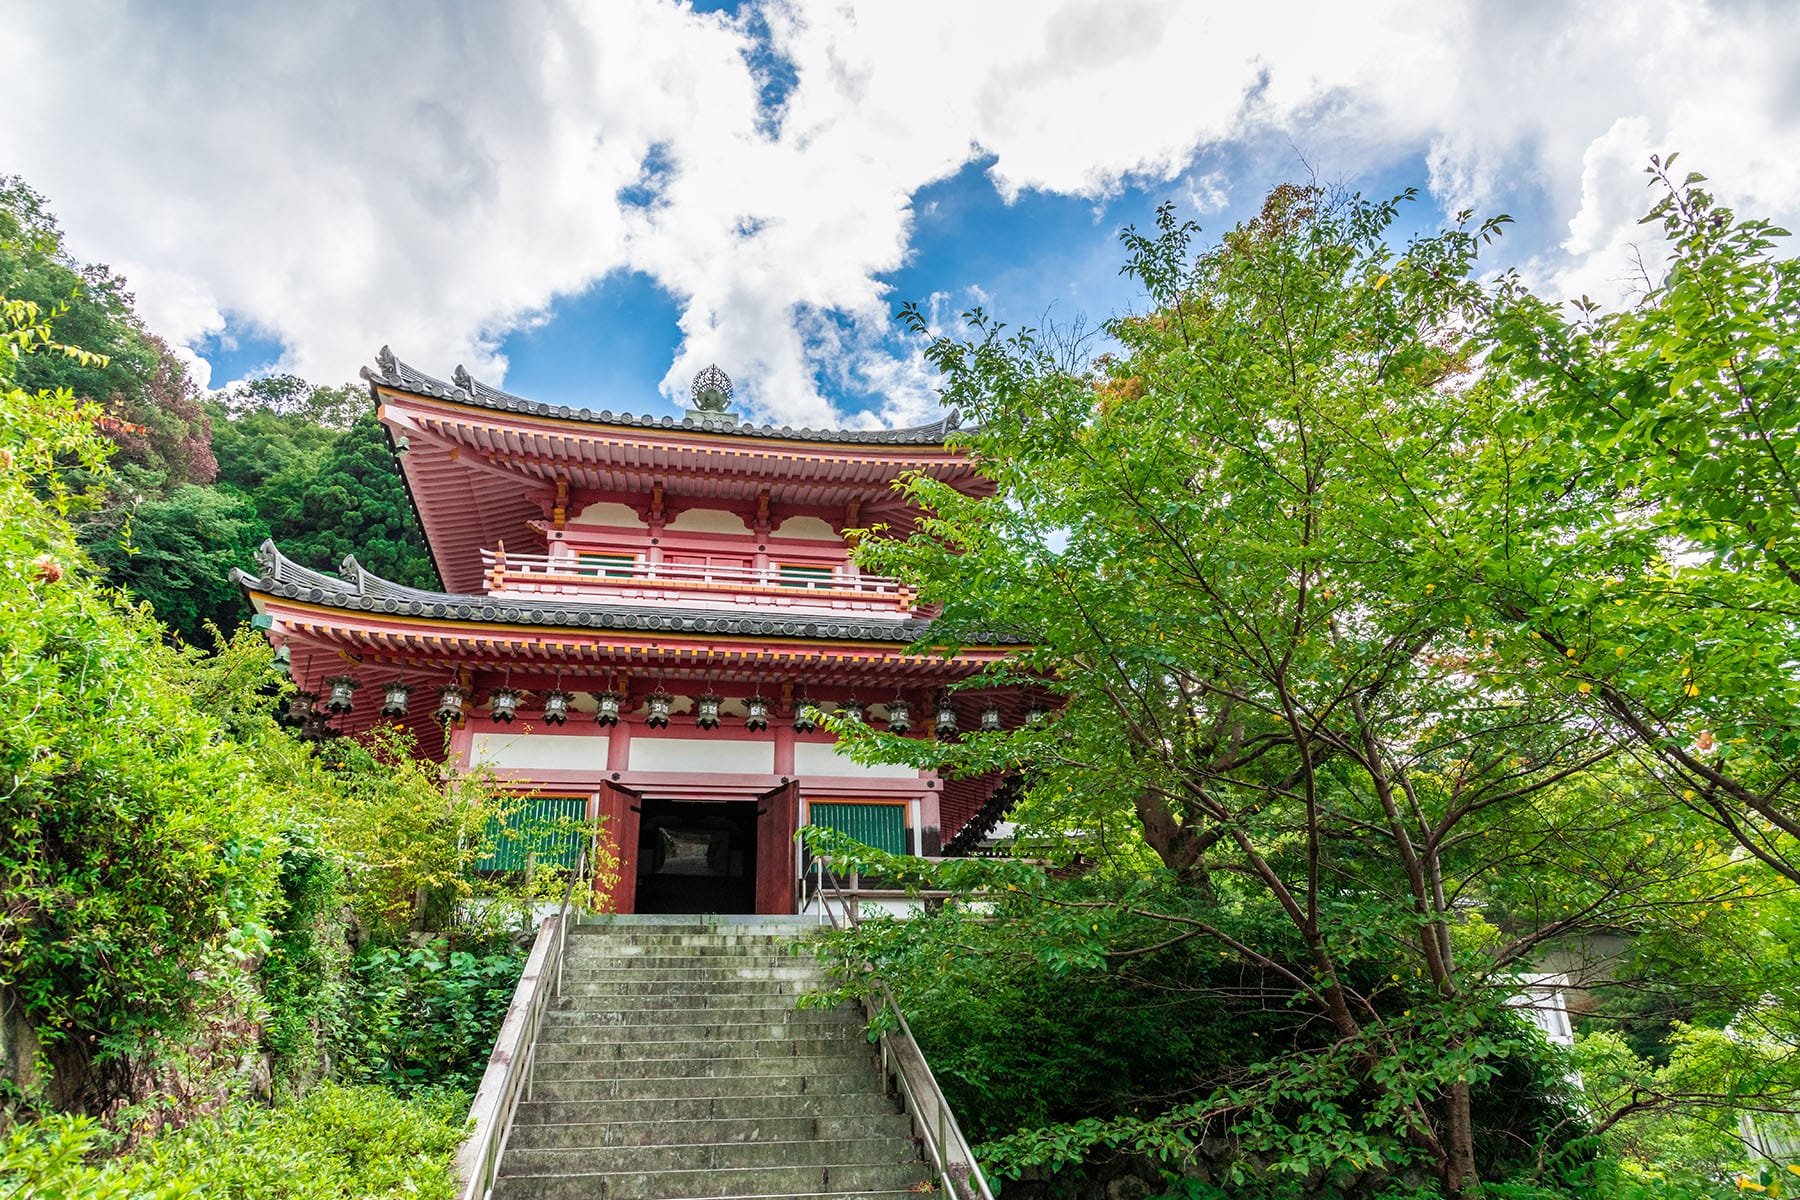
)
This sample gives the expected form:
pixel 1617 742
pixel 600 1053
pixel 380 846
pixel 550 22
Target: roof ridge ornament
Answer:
pixel 711 399
pixel 384 358
pixel 712 390
pixel 462 379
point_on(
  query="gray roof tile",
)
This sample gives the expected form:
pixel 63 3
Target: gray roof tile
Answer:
pixel 465 389
pixel 359 591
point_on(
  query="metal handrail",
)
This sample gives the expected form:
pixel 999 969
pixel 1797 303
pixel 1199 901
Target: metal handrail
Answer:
pixel 902 1059
pixel 509 1071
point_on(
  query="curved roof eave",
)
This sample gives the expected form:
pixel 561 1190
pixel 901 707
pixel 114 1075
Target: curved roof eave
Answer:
pixel 359 590
pixel 462 388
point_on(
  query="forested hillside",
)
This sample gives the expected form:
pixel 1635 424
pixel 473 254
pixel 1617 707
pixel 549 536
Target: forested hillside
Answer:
pixel 200 480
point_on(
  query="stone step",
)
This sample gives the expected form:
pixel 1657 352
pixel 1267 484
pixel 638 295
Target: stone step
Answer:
pixel 748 1107
pixel 688 987
pixel 705 1156
pixel 853 1178
pixel 711 966
pixel 770 1024
pixel 683 1007
pixel 846 1041
pixel 712 1130
pixel 836 1061
pixel 650 922
pixel 680 943
pixel 823 1081
pixel 653 963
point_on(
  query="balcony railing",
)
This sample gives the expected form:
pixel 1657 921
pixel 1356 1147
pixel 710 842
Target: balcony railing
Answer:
pixel 618 577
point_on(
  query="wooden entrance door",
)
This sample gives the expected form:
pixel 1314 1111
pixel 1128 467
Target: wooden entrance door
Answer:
pixel 620 807
pixel 777 817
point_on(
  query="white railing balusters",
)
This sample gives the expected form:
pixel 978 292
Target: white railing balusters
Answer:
pixel 554 575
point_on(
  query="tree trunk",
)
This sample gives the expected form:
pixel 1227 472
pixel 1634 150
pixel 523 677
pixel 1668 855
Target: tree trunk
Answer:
pixel 1461 1178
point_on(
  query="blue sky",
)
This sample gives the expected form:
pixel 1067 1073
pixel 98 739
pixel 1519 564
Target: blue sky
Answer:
pixel 588 203
pixel 1035 258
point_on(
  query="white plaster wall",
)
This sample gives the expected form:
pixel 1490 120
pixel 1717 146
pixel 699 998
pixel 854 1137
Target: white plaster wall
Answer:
pixel 813 529
pixel 822 758
pixel 609 512
pixel 544 752
pixel 721 755
pixel 707 520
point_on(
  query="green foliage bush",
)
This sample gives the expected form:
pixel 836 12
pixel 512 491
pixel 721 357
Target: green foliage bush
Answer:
pixel 337 1142
pixel 425 1017
pixel 302 975
pixel 139 856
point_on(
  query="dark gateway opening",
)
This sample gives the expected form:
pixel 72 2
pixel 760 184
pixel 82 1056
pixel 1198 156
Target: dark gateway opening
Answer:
pixel 696 857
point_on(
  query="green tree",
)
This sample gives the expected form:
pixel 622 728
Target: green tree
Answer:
pixel 1219 544
pixel 355 503
pixel 177 554
pixel 276 425
pixel 138 854
pixel 1649 472
pixel 152 408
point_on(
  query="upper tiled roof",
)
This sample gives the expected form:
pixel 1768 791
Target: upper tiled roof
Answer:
pixel 358 590
pixel 464 389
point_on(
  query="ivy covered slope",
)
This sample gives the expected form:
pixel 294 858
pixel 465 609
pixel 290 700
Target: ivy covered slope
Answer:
pixel 1388 674
pixel 199 481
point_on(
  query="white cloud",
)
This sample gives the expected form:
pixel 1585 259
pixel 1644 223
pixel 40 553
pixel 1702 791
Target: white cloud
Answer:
pixel 337 174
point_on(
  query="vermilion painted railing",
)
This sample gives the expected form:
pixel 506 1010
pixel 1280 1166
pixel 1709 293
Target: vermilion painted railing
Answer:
pixel 538 574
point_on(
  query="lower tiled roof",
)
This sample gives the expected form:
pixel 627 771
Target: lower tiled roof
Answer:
pixel 355 589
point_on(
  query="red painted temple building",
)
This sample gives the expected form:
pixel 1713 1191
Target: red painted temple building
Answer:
pixel 641 618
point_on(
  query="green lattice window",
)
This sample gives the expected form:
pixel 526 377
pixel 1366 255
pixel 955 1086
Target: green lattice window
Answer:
pixel 882 826
pixel 794 575
pixel 613 566
pixel 547 829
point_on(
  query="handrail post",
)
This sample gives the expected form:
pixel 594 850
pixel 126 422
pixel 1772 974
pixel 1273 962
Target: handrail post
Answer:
pixel 914 1091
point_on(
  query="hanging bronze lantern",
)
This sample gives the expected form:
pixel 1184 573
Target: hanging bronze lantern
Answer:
pixel 393 700
pixel 606 708
pixel 756 714
pixel 990 717
pixel 504 706
pixel 1035 714
pixel 338 697
pixel 806 719
pixel 450 703
pixel 556 707
pixel 317 726
pixel 946 716
pixel 899 715
pixel 300 707
pixel 706 710
pixel 657 714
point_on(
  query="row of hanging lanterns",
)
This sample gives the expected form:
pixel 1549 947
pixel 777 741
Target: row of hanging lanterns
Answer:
pixel 503 708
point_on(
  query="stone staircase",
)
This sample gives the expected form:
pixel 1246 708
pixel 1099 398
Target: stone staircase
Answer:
pixel 677 1065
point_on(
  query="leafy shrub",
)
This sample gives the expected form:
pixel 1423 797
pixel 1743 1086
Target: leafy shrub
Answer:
pixel 139 855
pixel 302 976
pixel 425 1016
pixel 338 1142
